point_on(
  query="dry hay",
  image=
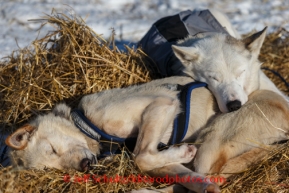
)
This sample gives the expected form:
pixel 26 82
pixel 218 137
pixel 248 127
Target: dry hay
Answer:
pixel 270 175
pixel 72 61
pixel 275 55
pixel 68 62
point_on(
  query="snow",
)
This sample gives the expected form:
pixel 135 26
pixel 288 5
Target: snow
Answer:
pixel 130 18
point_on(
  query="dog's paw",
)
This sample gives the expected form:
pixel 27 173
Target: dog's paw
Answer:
pixel 212 188
pixel 187 152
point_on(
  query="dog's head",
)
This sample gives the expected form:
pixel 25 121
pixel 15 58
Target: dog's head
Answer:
pixel 52 141
pixel 229 66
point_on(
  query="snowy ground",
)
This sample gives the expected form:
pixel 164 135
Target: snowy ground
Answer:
pixel 130 18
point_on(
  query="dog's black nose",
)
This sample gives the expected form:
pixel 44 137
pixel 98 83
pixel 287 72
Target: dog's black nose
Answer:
pixel 233 105
pixel 85 164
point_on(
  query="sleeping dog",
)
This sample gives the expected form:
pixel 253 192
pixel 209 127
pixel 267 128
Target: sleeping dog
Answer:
pixel 66 138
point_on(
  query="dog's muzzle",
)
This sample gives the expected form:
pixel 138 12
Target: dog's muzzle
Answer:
pixel 87 164
pixel 233 105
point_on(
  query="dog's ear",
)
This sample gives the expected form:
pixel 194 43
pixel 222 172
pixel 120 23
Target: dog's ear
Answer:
pixel 255 41
pixel 19 139
pixel 62 110
pixel 187 55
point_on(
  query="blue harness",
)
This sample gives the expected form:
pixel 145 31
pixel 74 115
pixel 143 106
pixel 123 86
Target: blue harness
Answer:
pixel 113 145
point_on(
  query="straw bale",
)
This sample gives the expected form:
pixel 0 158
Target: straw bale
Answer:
pixel 73 60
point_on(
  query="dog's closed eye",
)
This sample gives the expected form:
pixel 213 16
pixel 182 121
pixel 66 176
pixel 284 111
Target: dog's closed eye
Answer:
pixel 53 150
pixel 214 78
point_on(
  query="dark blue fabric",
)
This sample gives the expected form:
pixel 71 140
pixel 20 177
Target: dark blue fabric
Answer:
pixel 110 144
pixel 181 123
pixel 192 86
pixel 4 152
pixel 103 135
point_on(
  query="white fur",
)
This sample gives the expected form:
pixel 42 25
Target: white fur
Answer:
pixel 229 65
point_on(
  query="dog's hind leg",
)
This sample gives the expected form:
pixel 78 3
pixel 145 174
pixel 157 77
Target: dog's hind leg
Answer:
pixel 242 162
pixel 156 120
pixel 209 153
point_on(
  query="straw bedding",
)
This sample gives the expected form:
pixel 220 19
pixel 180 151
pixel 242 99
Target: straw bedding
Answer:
pixel 72 60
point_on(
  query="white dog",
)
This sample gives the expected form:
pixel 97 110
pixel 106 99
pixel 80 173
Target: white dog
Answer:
pixel 213 53
pixel 229 66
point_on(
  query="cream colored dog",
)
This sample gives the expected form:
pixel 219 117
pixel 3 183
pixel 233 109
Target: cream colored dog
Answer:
pixel 263 120
pixel 147 112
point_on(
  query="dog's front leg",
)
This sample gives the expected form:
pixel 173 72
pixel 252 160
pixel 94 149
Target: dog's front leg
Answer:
pixel 177 173
pixel 157 118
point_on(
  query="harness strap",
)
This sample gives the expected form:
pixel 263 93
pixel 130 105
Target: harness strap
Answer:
pixel 84 125
pixel 112 144
pixel 94 129
pixel 181 123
